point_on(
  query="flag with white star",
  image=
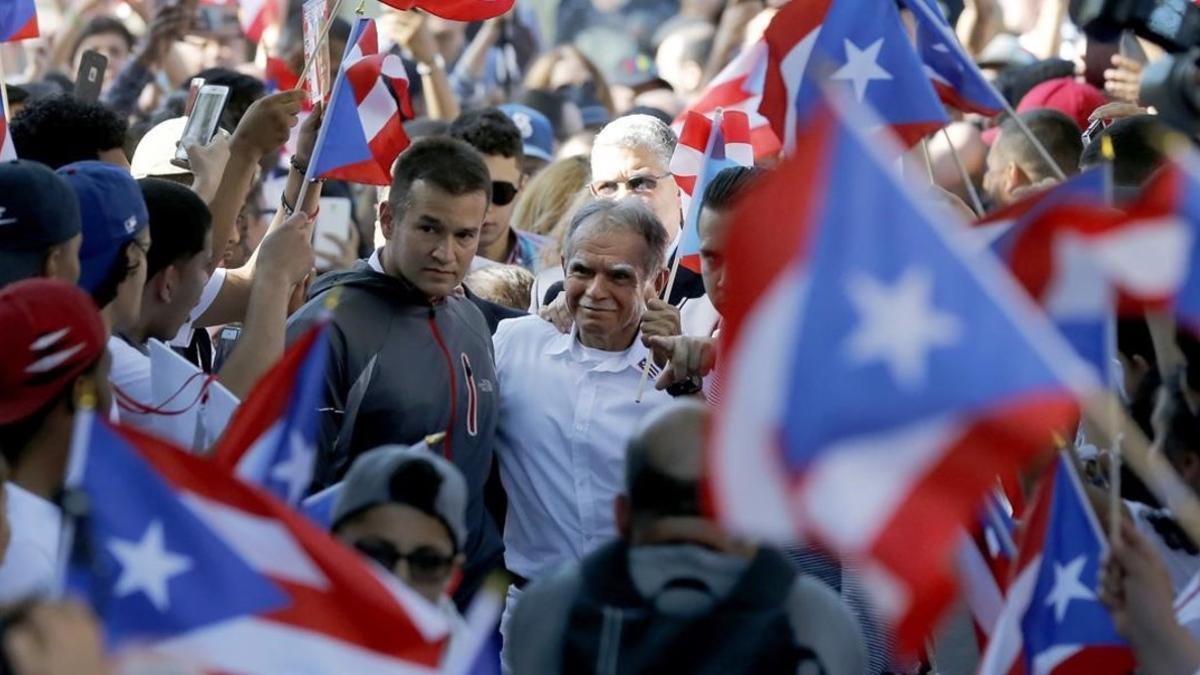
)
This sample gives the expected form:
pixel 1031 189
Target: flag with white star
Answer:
pixel 878 374
pixel 147 564
pixel 954 75
pixel 856 46
pixel 179 558
pixel 272 439
pixel 1052 621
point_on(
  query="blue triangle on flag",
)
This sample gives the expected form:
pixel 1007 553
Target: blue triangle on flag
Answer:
pixel 146 563
pixel 344 141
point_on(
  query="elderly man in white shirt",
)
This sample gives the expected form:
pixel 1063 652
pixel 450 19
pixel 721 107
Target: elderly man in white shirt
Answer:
pixel 567 401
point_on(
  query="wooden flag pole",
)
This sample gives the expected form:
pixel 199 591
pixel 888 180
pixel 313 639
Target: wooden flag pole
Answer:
pixel 928 160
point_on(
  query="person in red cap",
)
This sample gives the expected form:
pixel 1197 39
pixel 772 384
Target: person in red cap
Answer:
pixel 53 347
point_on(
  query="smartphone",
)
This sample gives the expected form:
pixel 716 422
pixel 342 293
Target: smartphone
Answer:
pixel 193 92
pixel 333 219
pixel 202 124
pixel 90 78
pixel 1097 58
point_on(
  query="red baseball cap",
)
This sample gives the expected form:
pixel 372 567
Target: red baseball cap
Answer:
pixel 1074 99
pixel 52 333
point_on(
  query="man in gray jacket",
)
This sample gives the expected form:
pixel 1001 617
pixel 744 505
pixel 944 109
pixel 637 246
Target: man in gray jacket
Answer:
pixel 674 593
pixel 410 356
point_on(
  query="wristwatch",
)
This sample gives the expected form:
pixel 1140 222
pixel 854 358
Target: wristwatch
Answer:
pixel 689 387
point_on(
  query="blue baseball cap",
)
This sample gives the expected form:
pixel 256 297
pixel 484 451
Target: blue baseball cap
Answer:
pixel 112 212
pixel 536 130
pixel 37 212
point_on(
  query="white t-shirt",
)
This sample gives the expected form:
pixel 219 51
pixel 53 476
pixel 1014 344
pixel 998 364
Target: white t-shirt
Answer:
pixel 184 337
pixel 130 377
pixel 31 563
pixel 1181 565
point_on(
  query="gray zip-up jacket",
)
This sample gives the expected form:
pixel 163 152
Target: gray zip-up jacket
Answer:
pixel 400 369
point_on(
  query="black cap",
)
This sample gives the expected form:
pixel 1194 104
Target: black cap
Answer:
pixel 38 210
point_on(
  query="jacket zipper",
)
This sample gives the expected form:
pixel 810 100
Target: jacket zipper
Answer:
pixel 437 336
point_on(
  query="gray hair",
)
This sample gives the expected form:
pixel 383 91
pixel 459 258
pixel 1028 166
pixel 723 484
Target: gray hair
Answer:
pixel 629 215
pixel 642 132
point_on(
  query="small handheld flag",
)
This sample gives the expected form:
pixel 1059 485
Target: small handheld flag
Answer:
pixel 362 133
pixel 739 87
pixel 705 148
pixel 951 70
pixel 7 149
pixel 455 10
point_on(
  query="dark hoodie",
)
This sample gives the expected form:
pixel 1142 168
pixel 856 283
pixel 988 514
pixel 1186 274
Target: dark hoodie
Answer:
pixel 400 369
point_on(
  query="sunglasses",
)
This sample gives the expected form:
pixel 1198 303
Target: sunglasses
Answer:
pixel 637 184
pixel 425 565
pixel 503 192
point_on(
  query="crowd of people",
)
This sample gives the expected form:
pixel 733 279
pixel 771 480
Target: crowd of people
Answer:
pixel 495 311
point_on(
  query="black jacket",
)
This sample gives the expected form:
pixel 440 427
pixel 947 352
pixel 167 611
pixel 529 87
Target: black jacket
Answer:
pixel 399 370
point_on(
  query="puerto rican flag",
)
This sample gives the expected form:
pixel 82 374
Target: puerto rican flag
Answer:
pixel 705 148
pixel 1052 622
pixel 272 439
pixel 182 561
pixel 739 87
pixel 841 283
pixel 951 70
pixel 858 45
pixel 1085 263
pixel 1169 208
pixel 455 10
pixel 256 15
pixel 18 20
pixel 7 149
pixel 363 133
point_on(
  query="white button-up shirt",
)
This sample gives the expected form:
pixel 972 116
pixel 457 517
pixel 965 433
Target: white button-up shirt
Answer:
pixel 566 413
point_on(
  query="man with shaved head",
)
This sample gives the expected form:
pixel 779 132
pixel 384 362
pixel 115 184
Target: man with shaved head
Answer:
pixel 567 400
pixel 674 592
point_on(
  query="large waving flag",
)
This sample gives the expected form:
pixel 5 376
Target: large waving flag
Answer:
pixel 739 86
pixel 363 133
pixel 180 559
pixel 1052 622
pixel 272 439
pixel 18 20
pixel 705 148
pixel 7 149
pixel 858 44
pixel 952 71
pixel 840 284
pixel 456 10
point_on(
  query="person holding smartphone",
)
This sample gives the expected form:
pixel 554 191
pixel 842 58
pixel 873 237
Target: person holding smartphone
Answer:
pixel 149 55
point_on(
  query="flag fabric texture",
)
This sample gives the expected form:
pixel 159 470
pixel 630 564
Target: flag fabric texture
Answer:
pixel 1169 275
pixel 951 70
pixel 272 439
pixel 860 45
pixel 18 20
pixel 839 284
pixel 181 560
pixel 8 151
pixel 455 10
pixel 705 148
pixel 278 76
pixel 739 86
pixel 1036 244
pixel 1085 264
pixel 362 133
pixel 1052 623
pixel 256 15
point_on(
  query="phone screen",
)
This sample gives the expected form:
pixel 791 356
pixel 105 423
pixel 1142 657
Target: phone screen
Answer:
pixel 193 92
pixel 206 115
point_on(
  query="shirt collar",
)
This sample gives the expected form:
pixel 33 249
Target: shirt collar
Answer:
pixel 375 263
pixel 568 343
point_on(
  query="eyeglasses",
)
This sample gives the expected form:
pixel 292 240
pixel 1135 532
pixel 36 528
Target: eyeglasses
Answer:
pixel 425 565
pixel 638 184
pixel 503 192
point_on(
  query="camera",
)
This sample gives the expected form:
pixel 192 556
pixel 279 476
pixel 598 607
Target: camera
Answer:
pixel 1173 25
pixel 1172 84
